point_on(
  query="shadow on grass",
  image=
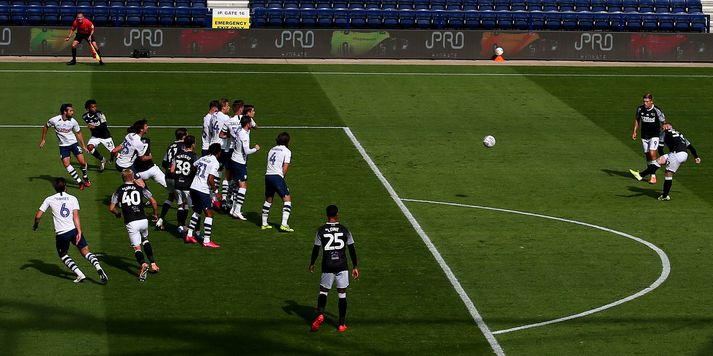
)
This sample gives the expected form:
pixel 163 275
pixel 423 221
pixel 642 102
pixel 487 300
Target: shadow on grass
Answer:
pixel 121 263
pixel 254 217
pixel 613 173
pixel 48 269
pixel 638 191
pixel 307 313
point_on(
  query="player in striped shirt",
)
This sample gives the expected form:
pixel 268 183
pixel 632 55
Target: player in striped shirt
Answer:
pixel 204 183
pixel 68 132
pixel 68 230
pixel 278 160
pixel 207 132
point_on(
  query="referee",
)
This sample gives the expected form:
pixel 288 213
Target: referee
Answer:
pixel 85 32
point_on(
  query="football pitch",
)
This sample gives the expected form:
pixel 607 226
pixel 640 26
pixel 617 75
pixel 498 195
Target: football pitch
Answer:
pixel 541 245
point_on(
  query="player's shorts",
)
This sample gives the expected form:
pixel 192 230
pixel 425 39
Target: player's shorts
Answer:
pixel 675 160
pixel 650 144
pixel 79 37
pixel 239 170
pixel 183 197
pixel 154 173
pixel 63 240
pixel 138 231
pixel 66 151
pixel 224 158
pixel 328 279
pixel 107 142
pixel 275 184
pixel 201 201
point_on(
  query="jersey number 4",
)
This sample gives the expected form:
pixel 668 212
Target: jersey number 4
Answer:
pixel 335 241
pixel 132 198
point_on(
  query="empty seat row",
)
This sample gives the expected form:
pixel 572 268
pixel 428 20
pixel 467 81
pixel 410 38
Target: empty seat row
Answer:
pixel 505 20
pixel 105 16
pixel 645 6
pixel 157 3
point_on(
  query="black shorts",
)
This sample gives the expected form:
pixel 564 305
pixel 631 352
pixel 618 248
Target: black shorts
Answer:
pixel 62 241
pixel 79 37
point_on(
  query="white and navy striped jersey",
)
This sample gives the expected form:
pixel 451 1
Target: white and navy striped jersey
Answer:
pixel 63 206
pixel 216 124
pixel 205 166
pixel 131 148
pixel 64 129
pixel 276 158
pixel 205 137
pixel 242 147
pixel 231 128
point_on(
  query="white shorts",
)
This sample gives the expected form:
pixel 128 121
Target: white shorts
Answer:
pixel 675 160
pixel 328 279
pixel 650 144
pixel 107 142
pixel 154 173
pixel 138 231
pixel 183 197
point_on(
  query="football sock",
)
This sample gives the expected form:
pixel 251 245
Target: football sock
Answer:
pixel 240 199
pixel 181 216
pixel 342 307
pixel 149 250
pixel 73 173
pixel 69 262
pixel 265 212
pixel 195 218
pixel 139 257
pixel 164 209
pixel 74 54
pixel 321 301
pixel 95 153
pixel 85 172
pixel 286 209
pixel 93 260
pixel 667 183
pixel 650 169
pixel 225 191
pixel 207 229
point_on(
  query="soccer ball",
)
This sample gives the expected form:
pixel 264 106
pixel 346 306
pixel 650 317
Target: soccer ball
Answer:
pixel 488 141
pixel 499 51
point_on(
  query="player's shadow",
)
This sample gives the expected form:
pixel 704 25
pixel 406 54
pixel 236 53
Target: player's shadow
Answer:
pixel 638 191
pixel 122 263
pixel 307 313
pixel 613 173
pixel 254 217
pixel 48 269
pixel 46 177
pixel 172 229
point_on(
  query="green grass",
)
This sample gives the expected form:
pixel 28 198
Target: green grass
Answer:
pixel 564 149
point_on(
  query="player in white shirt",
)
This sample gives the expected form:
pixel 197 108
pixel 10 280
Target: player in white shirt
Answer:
pixel 238 165
pixel 207 168
pixel 228 132
pixel 65 213
pixel 206 135
pixel 68 132
pixel 131 148
pixel 217 122
pixel 278 160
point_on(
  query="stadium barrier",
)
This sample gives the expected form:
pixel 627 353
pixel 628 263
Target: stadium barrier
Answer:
pixel 394 44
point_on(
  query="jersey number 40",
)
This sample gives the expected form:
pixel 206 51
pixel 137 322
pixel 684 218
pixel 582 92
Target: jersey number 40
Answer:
pixel 131 198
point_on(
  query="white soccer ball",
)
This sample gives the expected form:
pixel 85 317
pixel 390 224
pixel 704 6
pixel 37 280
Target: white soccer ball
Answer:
pixel 488 141
pixel 499 51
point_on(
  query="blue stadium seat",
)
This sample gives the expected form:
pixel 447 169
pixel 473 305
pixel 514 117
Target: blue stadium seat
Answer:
pixel 422 4
pixel 389 4
pixel 455 19
pixel 258 17
pixel 601 21
pixel 167 15
pixel 423 18
pixel 646 6
pixel 291 4
pixel 308 17
pixel 17 15
pixel 567 5
pixel 274 17
pixel 694 7
pixel 272 4
pixel 148 3
pixel 391 18
pixel 133 16
pixel 88 11
pixel 372 4
pixel 405 5
pixel 649 23
pixel 678 6
pixel 291 17
pixel 521 20
pixel 182 3
pixel 356 5
pixel 50 15
pixel 325 18
pixel 585 21
pixel 4 14
pixel 682 23
pixel 455 4
pixel 323 4
pixel 34 15
pixel 617 22
pixel 553 20
pixel 569 21
pixel 169 3
pixel 357 18
pixel 598 5
pixel 341 18
pixel 550 5
pixel 66 14
pixel 666 22
pixel 615 5
pixel 483 5
pixel 32 3
pixel 472 20
pixel 662 6
pixel 534 5
pixel 466 5
pixel 199 3
pixel 501 5
pixel 505 20
pixel 630 5
pixel 374 18
pixel 149 16
pixel 132 3
pixel 633 22
pixel 438 4
pixel 537 20
pixel 46 2
pixel 183 16
pixel 518 5
pixel 581 5
pixel 407 19
pixel 101 16
pixel 699 23
pixel 488 20
pixel 438 19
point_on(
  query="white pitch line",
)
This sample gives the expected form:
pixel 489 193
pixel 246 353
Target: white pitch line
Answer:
pixel 431 247
pixel 665 263
pixel 410 74
pixel 185 126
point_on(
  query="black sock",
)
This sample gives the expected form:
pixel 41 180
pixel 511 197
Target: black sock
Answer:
pixel 164 208
pixel 342 310
pixel 650 169
pixel 98 155
pixel 667 186
pixel 74 54
pixel 149 251
pixel 181 216
pixel 321 302
pixel 139 257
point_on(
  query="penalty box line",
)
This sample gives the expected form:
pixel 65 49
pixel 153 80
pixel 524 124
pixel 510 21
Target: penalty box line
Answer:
pixel 431 247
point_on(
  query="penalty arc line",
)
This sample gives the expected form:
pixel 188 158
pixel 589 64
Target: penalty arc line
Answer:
pixel 431 247
pixel 665 263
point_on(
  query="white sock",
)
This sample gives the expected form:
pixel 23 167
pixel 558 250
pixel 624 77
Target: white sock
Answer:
pixel 265 212
pixel 207 229
pixel 286 210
